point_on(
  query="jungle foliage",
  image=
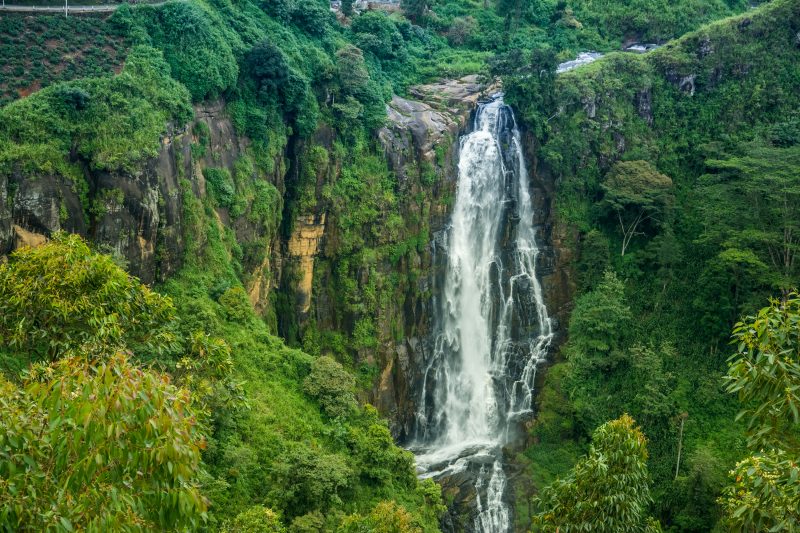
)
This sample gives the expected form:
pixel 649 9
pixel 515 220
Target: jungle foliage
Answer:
pixel 698 151
pixel 678 170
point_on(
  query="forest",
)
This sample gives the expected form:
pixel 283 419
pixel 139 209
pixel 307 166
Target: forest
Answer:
pixel 209 380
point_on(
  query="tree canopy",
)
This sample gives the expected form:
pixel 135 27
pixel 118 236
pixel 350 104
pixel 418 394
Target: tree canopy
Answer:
pixel 63 296
pixel 607 491
pixel 765 375
pixel 98 446
pixel 636 194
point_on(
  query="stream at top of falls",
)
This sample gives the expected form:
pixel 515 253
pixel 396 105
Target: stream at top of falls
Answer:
pixel 491 328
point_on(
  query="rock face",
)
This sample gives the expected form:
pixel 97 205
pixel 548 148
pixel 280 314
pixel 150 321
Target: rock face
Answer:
pixel 421 133
pixel 6 235
pixel 303 247
pixel 136 216
pixel 142 218
pixel 556 239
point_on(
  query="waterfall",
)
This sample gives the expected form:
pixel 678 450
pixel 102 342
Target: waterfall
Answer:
pixel 492 328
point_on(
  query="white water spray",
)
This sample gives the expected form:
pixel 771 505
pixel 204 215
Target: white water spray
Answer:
pixel 493 329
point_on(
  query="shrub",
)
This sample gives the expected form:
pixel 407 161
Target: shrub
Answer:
pixel 310 480
pixel 221 185
pixel 62 296
pixel 332 386
pixel 256 519
pixel 235 304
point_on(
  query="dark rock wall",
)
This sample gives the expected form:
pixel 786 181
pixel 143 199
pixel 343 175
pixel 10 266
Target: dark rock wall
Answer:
pixel 137 216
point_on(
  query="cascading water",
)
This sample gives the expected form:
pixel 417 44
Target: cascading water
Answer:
pixel 492 328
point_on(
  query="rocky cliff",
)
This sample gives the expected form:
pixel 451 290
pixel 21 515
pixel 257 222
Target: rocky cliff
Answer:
pixel 296 270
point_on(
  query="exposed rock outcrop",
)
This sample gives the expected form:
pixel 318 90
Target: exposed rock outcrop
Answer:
pixel 137 216
pixel 303 247
pixel 6 234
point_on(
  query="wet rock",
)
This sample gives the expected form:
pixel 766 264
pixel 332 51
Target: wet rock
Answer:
pixel 590 106
pixel 687 84
pixel 644 105
pixel 705 48
pixel 415 128
pixel 46 204
pixel 6 234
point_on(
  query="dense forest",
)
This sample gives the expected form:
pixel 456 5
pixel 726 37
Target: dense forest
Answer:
pixel 174 358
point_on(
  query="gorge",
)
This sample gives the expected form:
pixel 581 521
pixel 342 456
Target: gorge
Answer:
pixel 332 253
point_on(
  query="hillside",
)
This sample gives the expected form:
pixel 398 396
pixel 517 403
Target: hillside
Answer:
pixel 714 112
pixel 285 175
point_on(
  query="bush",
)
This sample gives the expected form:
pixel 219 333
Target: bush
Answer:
pixel 235 304
pixel 310 480
pixel 375 32
pixel 386 517
pixel 221 185
pixel 195 47
pixel 112 123
pixel 62 296
pixel 256 519
pixel 332 386
pixel 312 16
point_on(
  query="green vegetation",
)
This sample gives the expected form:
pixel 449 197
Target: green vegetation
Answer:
pixel 98 446
pixel 39 51
pixel 302 445
pixel 764 375
pixel 677 168
pixel 607 491
pixel 63 296
pixel 111 123
pixel 240 401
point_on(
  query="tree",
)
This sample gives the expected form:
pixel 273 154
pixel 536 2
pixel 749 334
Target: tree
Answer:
pixel 600 320
pixel 415 9
pixel 461 30
pixel 268 66
pixel 207 371
pixel 312 16
pixel 353 74
pixel 309 480
pixel 331 385
pixel 595 352
pixel 379 461
pixel 595 259
pixel 386 517
pixel 98 445
pixel 256 519
pixel 765 375
pixel 636 194
pixel 376 33
pixel 347 8
pixel 607 491
pixel 279 9
pixel 765 372
pixel 728 284
pixel 198 51
pixel 765 495
pixel 750 200
pixel 62 296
